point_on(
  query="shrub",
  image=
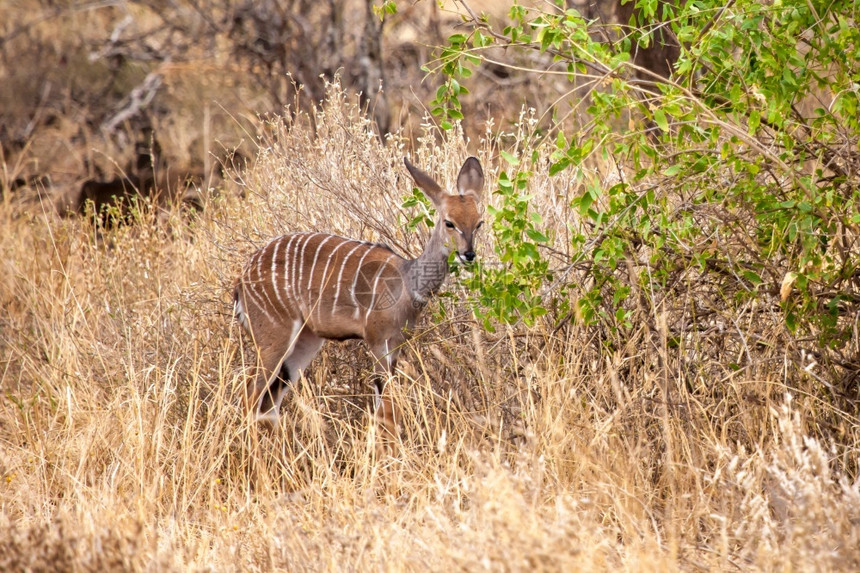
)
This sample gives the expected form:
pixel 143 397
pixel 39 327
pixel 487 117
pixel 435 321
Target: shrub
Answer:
pixel 733 181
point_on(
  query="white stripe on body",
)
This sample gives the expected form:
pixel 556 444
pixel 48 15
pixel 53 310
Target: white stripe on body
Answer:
pixel 355 304
pixel 323 282
pixel 289 287
pixel 250 291
pixel 316 256
pixel 274 274
pixel 294 263
pixel 340 275
pixel 254 284
pixel 300 291
pixel 375 285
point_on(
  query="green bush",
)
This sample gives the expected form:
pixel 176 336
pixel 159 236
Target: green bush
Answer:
pixel 741 171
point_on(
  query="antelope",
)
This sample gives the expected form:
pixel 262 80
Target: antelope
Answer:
pixel 147 178
pixel 304 288
pixel 118 193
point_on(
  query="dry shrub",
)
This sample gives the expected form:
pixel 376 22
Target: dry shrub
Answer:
pixel 556 447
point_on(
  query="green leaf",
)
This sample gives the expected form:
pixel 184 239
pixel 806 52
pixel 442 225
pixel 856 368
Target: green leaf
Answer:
pixel 559 166
pixel 754 121
pixel 660 120
pixel 752 277
pixel 511 159
pixel 536 236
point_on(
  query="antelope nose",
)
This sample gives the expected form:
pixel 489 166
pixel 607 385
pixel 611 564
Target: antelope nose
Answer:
pixel 469 256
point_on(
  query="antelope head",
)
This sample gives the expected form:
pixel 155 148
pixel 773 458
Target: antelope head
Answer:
pixel 459 216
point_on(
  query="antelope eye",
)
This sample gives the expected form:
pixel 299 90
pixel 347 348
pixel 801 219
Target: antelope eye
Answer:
pixel 478 226
pixel 449 224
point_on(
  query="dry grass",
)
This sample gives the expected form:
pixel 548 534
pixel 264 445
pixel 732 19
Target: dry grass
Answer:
pixel 122 445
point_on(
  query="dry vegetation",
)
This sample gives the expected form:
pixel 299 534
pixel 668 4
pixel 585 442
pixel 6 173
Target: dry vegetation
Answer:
pixel 81 82
pixel 699 438
pixel 122 444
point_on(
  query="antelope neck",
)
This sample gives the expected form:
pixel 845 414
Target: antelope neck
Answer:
pixel 426 274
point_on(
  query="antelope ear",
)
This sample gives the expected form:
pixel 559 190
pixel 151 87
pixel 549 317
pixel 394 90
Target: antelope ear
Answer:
pixel 470 181
pixel 425 182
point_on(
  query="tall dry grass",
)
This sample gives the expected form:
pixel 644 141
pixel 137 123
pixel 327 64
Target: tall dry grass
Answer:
pixel 123 445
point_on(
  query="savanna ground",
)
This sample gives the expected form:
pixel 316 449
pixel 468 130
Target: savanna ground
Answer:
pixel 669 445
